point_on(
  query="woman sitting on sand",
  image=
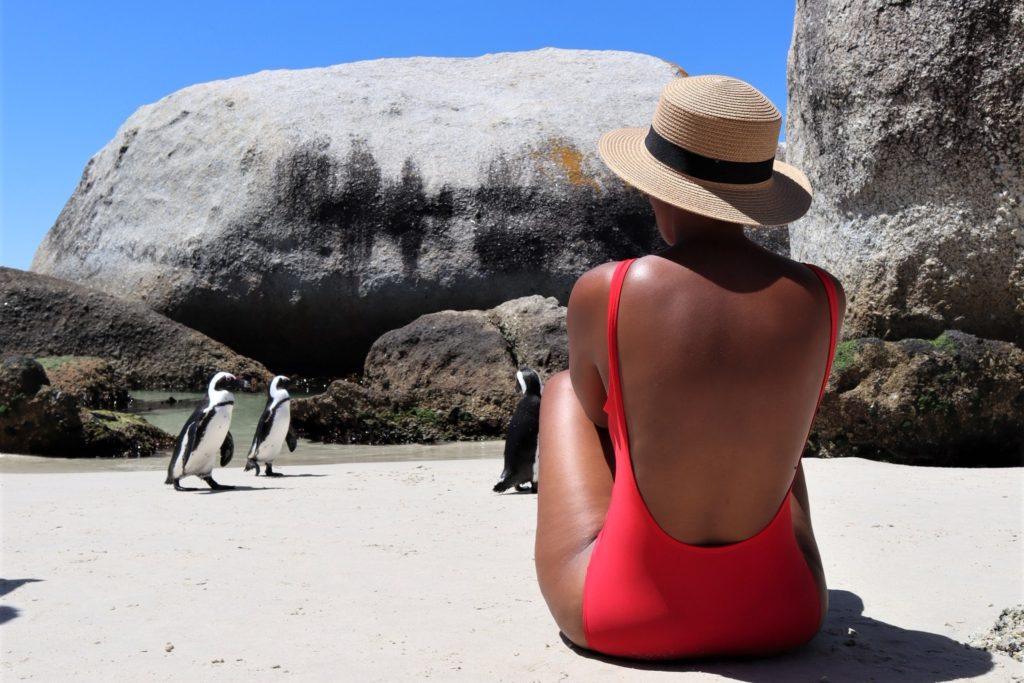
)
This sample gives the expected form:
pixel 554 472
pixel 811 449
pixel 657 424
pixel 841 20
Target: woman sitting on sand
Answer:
pixel 673 518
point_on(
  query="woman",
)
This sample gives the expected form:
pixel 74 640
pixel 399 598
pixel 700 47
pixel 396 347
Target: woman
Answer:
pixel 693 379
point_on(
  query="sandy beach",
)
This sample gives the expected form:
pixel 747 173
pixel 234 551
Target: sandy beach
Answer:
pixel 402 571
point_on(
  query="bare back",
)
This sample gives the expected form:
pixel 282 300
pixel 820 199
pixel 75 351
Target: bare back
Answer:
pixel 722 356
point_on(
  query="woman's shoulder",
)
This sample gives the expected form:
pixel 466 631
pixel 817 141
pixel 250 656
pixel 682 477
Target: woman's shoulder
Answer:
pixel 592 287
pixel 837 286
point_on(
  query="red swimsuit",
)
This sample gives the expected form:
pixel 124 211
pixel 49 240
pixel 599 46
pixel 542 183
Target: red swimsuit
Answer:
pixel 649 595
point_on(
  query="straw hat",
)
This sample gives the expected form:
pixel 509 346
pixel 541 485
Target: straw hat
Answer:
pixel 711 150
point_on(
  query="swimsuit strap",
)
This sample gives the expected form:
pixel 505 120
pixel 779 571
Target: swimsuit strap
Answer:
pixel 833 313
pixel 614 293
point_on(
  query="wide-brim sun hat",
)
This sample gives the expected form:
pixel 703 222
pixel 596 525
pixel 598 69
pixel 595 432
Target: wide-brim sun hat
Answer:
pixel 711 150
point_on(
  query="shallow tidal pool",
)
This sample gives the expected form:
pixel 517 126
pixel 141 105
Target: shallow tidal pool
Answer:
pixel 153 406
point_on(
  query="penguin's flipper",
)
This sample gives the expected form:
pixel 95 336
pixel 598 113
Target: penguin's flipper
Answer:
pixel 189 443
pixel 291 440
pixel 262 431
pixel 227 450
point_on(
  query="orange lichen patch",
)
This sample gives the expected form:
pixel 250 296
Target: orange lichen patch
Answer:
pixel 680 71
pixel 569 161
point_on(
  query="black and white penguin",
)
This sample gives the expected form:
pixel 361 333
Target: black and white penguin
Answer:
pixel 273 429
pixel 205 439
pixel 521 439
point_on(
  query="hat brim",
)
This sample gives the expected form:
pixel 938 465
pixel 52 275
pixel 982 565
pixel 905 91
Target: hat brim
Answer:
pixel 781 199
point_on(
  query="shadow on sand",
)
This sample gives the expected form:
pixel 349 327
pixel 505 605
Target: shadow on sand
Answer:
pixel 188 489
pixel 877 651
pixel 282 475
pixel 7 612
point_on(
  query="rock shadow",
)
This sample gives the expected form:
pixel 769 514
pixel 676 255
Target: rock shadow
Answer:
pixel 873 651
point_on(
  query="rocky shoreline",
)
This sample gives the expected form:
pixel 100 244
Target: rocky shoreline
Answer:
pixel 425 274
pixel 956 400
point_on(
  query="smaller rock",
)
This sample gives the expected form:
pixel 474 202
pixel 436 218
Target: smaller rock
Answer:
pixel 169 647
pixel 448 361
pixel 93 381
pixel 35 418
pixel 21 376
pixel 956 400
pixel 445 376
pixel 51 421
pixel 1007 636
pixel 534 329
pixel 108 433
pixel 350 413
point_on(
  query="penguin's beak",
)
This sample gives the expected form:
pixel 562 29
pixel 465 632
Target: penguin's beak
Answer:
pixel 239 384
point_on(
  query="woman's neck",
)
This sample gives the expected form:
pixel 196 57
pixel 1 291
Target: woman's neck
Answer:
pixel 680 228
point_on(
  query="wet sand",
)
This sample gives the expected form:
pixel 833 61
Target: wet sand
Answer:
pixel 307 453
pixel 394 571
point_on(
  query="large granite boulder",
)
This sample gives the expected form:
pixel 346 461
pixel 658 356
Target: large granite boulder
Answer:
pixel 298 215
pixel 44 316
pixel 956 400
pixel 908 117
pixel 37 418
pixel 445 376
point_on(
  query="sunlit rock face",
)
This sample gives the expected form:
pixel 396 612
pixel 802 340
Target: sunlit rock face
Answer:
pixel 298 215
pixel 907 117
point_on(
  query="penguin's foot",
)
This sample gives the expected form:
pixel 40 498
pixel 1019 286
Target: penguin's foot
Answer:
pixel 269 472
pixel 251 464
pixel 215 486
pixel 179 487
pixel 521 488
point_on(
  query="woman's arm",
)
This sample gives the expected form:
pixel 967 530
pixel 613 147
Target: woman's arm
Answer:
pixel 587 326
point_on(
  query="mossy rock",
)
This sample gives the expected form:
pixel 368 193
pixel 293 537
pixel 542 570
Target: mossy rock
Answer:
pixel 93 381
pixel 110 433
pixel 38 418
pixel 956 400
pixel 350 413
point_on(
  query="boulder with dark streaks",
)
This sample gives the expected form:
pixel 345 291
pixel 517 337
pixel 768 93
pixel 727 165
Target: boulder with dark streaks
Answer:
pixel 298 215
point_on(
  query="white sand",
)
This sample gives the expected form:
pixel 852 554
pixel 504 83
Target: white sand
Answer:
pixel 411 571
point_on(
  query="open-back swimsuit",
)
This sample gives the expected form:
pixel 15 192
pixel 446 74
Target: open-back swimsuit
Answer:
pixel 649 595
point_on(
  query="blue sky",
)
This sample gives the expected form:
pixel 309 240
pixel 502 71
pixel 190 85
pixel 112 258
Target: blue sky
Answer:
pixel 72 72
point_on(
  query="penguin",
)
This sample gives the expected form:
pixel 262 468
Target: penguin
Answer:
pixel 521 439
pixel 205 438
pixel 273 430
